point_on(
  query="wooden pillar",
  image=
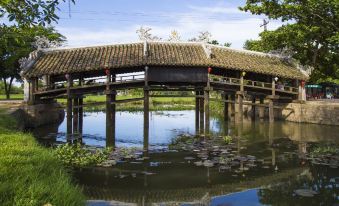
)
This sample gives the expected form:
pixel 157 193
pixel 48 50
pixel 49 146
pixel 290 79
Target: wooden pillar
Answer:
pixel 240 113
pixel 81 115
pixel 197 109
pixel 261 109
pixel 240 98
pixel 207 110
pixel 75 115
pixel 271 110
pixel 69 106
pixel 232 107
pixel 81 110
pixel 225 99
pixel 110 111
pixel 253 108
pixel 201 113
pixel 146 111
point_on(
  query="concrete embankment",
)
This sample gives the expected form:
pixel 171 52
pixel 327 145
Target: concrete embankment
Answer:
pixel 317 112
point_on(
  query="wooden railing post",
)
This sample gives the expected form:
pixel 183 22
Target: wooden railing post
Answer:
pixel 273 86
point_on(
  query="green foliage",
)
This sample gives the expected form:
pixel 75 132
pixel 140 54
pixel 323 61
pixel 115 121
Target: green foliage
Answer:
pixel 215 42
pixel 30 174
pixel 311 35
pixel 30 12
pixel 16 43
pixel 324 150
pixel 227 139
pixel 79 156
pixel 14 89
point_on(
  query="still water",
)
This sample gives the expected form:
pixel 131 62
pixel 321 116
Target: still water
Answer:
pixel 264 165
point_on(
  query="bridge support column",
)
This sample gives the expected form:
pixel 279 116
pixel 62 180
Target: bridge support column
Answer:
pixel 146 111
pixel 146 119
pixel 201 113
pixel 271 100
pixel 110 118
pixel 231 107
pixel 271 110
pixel 75 115
pixel 110 111
pixel 226 105
pixel 197 109
pixel 69 107
pixel 207 111
pixel 240 113
pixel 253 110
pixel 81 116
pixel 261 109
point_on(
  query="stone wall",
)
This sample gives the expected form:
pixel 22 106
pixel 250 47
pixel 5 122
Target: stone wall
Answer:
pixel 317 112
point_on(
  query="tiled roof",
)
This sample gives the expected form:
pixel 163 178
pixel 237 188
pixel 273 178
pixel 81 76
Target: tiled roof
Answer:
pixel 75 60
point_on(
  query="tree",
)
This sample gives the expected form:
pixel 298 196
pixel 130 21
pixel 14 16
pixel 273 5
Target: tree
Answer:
pixel 145 34
pixel 16 43
pixel 311 33
pixel 30 12
pixel 174 36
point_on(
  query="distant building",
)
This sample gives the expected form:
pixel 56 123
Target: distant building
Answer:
pixel 322 91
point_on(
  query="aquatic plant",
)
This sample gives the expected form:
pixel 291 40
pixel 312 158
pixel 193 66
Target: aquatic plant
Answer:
pixel 79 156
pixel 227 139
pixel 324 150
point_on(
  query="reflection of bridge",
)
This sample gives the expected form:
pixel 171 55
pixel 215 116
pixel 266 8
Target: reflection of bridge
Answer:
pixel 160 66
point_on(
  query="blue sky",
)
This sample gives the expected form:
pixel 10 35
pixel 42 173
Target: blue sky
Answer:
pixel 115 21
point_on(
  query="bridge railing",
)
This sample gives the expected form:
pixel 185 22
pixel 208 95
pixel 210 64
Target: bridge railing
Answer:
pixel 92 82
pixel 252 83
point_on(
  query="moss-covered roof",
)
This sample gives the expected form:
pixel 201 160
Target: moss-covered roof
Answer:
pixel 75 60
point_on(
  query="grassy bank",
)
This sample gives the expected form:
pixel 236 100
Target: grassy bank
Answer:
pixel 31 174
pixel 12 96
pixel 156 103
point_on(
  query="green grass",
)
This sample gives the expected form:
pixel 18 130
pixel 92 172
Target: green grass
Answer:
pixel 156 103
pixel 12 96
pixel 31 174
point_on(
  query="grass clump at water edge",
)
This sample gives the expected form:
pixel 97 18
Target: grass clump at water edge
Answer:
pixel 31 174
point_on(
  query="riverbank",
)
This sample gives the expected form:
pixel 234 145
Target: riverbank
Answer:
pixel 31 174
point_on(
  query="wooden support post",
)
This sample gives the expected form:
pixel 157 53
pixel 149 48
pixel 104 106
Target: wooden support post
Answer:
pixel 75 115
pixel 110 112
pixel 261 110
pixel 207 110
pixel 197 108
pixel 271 110
pixel 202 114
pixel 225 97
pixel 146 111
pixel 240 113
pixel 81 111
pixel 253 108
pixel 69 106
pixel 232 107
pixel 81 116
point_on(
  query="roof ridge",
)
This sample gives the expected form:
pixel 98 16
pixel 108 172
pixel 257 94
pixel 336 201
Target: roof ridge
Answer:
pixel 46 50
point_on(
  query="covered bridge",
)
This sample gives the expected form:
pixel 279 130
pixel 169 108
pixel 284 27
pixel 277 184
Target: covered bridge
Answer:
pixel 160 66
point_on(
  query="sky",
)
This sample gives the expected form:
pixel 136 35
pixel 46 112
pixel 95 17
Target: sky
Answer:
pixel 103 22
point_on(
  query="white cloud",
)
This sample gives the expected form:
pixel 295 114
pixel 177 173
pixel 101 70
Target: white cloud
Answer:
pixel 216 10
pixel 235 30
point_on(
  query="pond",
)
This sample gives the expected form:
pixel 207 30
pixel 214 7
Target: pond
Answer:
pixel 264 164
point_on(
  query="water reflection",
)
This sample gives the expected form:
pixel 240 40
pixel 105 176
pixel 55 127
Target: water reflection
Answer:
pixel 263 162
